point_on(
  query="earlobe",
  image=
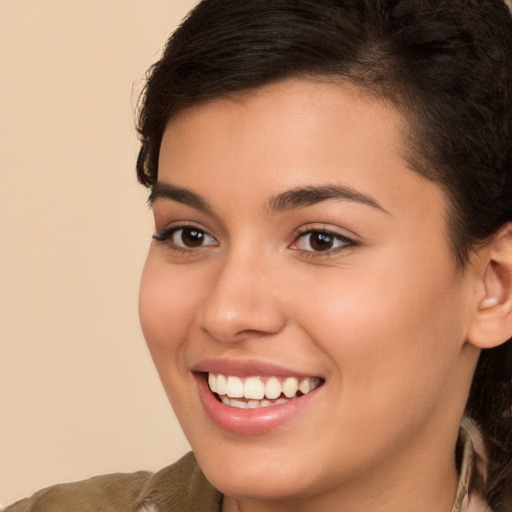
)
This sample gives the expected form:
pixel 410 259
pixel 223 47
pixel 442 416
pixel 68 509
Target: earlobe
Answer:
pixel 491 324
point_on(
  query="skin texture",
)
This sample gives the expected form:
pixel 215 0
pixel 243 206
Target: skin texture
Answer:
pixel 383 321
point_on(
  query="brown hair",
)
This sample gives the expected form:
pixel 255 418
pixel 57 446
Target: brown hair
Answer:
pixel 446 64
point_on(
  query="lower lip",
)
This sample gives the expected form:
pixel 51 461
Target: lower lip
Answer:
pixel 250 421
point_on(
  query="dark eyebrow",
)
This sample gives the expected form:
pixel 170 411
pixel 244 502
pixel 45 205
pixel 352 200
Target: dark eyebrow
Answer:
pixel 298 197
pixel 308 195
pixel 178 194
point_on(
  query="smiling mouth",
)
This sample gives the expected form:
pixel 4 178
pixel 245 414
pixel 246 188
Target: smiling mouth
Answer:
pixel 256 392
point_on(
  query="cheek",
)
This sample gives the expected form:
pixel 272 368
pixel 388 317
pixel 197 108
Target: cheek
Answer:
pixel 165 308
pixel 391 333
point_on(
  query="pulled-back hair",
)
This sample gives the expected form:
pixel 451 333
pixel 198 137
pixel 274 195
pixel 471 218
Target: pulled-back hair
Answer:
pixel 445 64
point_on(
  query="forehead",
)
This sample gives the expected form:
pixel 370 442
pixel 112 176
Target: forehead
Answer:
pixel 308 100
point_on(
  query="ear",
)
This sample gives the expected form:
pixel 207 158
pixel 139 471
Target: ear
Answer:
pixel 491 324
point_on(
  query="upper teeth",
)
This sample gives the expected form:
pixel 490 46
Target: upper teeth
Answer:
pixel 256 388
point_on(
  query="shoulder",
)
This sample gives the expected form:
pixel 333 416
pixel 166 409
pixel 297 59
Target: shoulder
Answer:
pixel 182 487
pixel 107 492
pixel 181 484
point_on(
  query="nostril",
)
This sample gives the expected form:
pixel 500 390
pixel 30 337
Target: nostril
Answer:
pixel 230 326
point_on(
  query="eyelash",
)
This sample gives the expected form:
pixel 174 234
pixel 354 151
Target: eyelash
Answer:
pixel 166 237
pixel 346 242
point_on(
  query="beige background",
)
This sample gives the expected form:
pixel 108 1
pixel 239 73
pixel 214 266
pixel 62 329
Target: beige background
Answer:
pixel 78 393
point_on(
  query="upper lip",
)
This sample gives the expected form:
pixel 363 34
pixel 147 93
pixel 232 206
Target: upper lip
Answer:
pixel 247 368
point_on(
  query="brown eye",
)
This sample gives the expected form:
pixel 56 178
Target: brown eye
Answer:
pixel 321 241
pixel 185 238
pixel 191 238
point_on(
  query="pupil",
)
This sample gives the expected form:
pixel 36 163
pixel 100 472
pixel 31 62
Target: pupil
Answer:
pixel 192 237
pixel 321 241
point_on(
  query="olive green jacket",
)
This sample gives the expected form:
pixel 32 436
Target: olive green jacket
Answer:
pixel 181 487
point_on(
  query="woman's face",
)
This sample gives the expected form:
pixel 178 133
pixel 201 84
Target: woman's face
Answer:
pixel 296 248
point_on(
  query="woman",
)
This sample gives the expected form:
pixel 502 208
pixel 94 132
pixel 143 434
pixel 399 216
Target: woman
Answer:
pixel 328 295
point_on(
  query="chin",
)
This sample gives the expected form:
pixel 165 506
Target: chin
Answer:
pixel 257 482
pixel 257 472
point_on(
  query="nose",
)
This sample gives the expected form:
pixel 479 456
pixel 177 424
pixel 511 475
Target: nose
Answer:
pixel 242 302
